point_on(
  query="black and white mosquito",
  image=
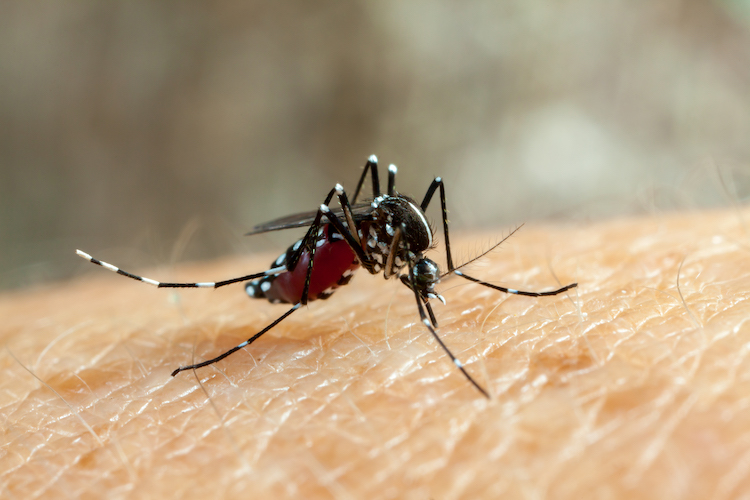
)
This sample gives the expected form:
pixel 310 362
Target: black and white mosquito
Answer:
pixel 388 234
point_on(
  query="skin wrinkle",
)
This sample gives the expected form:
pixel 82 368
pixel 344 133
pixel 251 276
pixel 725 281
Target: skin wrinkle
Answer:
pixel 220 419
pixel 611 392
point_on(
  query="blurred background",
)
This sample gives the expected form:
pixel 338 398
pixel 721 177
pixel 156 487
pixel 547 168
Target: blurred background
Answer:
pixel 155 132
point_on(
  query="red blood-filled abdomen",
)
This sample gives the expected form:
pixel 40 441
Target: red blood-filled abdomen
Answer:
pixel 332 260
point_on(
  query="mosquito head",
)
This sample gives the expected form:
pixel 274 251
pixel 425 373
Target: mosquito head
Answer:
pixel 425 274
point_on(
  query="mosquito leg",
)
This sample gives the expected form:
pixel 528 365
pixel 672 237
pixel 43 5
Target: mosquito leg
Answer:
pixel 392 171
pixel 312 233
pixel 372 166
pixel 405 280
pixel 349 236
pixel 308 242
pixel 513 290
pixel 438 183
pixel 364 259
pixel 390 261
pixel 159 284
pixel 311 248
pixel 347 208
pixel 433 320
pixel 310 236
pixel 239 346
pixel 455 360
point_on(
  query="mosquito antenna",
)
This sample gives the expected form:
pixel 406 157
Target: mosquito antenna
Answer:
pixel 481 254
pixel 456 271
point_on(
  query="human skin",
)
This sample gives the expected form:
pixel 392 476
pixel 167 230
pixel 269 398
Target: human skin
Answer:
pixel 634 385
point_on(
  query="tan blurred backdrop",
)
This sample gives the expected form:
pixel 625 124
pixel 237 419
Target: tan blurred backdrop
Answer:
pixel 160 131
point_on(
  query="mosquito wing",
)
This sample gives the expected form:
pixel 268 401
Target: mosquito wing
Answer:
pixel 360 212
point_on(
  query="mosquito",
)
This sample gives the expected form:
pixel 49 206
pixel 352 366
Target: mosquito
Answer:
pixel 387 234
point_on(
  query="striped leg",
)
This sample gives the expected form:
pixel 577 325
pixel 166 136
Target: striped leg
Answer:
pixel 392 171
pixel 159 284
pixel 239 346
pixel 311 233
pixel 421 304
pixel 308 244
pixel 513 290
pixel 438 183
pixel 372 167
pixel 348 233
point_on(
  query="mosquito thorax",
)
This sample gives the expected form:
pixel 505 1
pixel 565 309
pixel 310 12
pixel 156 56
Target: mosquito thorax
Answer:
pixel 390 214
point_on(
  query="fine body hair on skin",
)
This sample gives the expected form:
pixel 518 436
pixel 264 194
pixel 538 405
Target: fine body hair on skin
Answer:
pixel 635 385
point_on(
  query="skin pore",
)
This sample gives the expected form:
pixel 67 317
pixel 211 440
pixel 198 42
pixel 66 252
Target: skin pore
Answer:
pixel 636 384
